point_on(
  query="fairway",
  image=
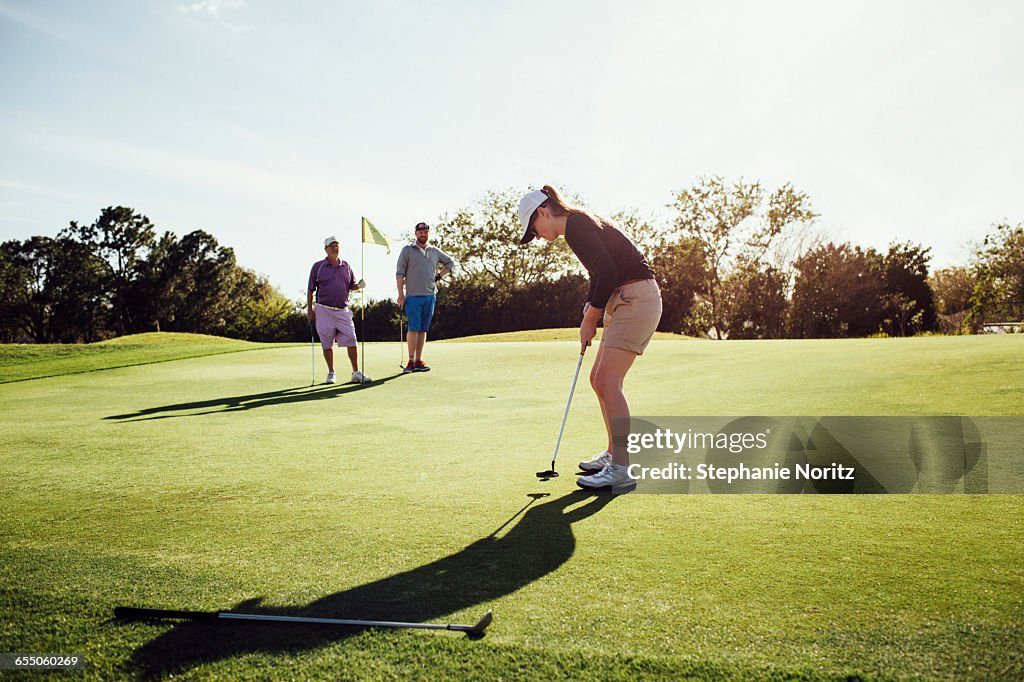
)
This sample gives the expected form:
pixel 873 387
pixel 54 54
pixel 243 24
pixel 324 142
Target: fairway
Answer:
pixel 227 482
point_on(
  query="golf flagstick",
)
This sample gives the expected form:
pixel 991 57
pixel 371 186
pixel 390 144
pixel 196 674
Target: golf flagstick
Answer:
pixel 362 305
pixel 370 235
pixel 474 631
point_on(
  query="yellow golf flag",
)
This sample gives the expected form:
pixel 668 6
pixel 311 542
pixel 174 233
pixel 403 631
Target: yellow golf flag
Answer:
pixel 371 235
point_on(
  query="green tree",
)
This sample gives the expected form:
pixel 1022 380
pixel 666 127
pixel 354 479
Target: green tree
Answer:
pixel 837 293
pixel 53 290
pixel 735 222
pixel 680 268
pixel 112 276
pixel 681 271
pixel 755 304
pixel 908 296
pixel 24 301
pixel 261 312
pixel 699 320
pixel 953 288
pixel 904 315
pixel 202 284
pixel 78 286
pixel 121 239
pixel 643 232
pixel 998 269
pixel 153 294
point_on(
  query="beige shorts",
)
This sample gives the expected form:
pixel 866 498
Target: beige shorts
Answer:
pixel 631 316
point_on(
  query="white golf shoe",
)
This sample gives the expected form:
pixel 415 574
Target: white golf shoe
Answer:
pixel 598 463
pixel 360 378
pixel 613 477
pixel 331 378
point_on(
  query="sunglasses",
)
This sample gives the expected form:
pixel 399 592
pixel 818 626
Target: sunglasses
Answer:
pixel 531 230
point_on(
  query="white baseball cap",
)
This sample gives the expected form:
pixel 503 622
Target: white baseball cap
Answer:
pixel 527 205
pixel 329 241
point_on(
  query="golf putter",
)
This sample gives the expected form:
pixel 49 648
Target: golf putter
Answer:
pixel 475 631
pixel 551 473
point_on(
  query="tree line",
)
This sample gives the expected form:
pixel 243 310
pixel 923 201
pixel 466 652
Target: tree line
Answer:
pixel 735 260
pixel 115 276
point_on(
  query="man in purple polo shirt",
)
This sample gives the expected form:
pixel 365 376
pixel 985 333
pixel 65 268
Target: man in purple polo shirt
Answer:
pixel 332 280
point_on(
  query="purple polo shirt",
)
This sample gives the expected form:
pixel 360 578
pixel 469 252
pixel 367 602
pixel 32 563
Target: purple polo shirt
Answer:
pixel 331 282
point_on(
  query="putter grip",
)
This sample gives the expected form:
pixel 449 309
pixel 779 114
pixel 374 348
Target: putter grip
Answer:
pixel 132 613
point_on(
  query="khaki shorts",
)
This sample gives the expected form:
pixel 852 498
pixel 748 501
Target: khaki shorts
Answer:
pixel 631 316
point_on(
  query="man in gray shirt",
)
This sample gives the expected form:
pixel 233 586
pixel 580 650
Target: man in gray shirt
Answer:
pixel 417 274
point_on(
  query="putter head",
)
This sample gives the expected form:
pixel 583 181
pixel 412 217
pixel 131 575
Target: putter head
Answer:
pixel 477 631
pixel 545 475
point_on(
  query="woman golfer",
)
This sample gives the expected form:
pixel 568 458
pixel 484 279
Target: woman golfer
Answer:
pixel 623 290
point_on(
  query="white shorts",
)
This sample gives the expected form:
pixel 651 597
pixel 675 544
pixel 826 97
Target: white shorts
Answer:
pixel 335 325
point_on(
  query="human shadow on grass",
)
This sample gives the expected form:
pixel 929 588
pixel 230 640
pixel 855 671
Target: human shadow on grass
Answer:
pixel 493 567
pixel 241 403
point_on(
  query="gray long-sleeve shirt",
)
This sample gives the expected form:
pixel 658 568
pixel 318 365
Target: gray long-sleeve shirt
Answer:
pixel 418 267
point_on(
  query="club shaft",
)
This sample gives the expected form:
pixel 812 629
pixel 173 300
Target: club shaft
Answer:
pixel 579 363
pixel 131 612
pixel 137 613
pixel 340 621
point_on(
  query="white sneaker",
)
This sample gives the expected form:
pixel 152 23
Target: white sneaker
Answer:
pixel 613 476
pixel 597 463
pixel 360 378
pixel 331 378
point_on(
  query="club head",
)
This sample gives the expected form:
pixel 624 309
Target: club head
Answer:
pixel 477 631
pixel 545 475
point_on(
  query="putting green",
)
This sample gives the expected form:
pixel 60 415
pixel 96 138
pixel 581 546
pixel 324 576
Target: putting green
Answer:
pixel 227 482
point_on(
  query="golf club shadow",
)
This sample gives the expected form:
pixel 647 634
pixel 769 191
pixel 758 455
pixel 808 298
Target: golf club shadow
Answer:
pixel 248 402
pixel 488 569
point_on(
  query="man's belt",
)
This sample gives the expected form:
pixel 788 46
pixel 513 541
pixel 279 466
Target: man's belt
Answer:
pixel 331 307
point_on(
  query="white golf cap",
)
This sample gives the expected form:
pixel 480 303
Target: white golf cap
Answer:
pixel 527 205
pixel 329 241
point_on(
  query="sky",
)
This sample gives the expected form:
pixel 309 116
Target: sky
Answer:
pixel 273 125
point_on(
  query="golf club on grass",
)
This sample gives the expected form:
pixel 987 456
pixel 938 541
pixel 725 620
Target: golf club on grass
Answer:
pixel 551 473
pixel 131 613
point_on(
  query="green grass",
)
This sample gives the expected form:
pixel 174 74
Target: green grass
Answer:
pixel 226 482
pixel 545 335
pixel 34 361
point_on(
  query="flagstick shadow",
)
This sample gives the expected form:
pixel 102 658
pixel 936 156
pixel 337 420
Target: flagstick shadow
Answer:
pixel 243 403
